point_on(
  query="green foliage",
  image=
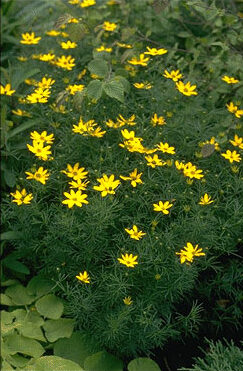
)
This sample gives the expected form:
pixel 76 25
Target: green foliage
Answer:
pixel 143 364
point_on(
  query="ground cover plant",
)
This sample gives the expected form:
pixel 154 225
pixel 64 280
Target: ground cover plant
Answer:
pixel 121 165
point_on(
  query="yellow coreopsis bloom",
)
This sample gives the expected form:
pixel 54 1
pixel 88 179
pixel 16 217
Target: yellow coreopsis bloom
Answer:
pixel 237 142
pixel 46 83
pixel 154 161
pixel 65 62
pixel 205 200
pixel 141 85
pixel 134 177
pixel 141 61
pixel 165 148
pixel 163 207
pixel 75 198
pixel 234 109
pixel 39 150
pixel 123 45
pixel 229 80
pixel 20 112
pixel 102 48
pixel 40 175
pixel 74 88
pixel 107 185
pixel 189 252
pixel 68 45
pixel 191 171
pixel 39 96
pixel 175 75
pixel 21 197
pixel 231 156
pixel 84 277
pixel 45 57
pixel 127 300
pixel 21 58
pixel 135 233
pixel 81 185
pixel 75 172
pixel 128 260
pixel 186 89
pixel 130 121
pixel 43 137
pixel 53 33
pixel 109 26
pixel 155 120
pixel 29 39
pixel 6 90
pixel 154 51
pixel 86 3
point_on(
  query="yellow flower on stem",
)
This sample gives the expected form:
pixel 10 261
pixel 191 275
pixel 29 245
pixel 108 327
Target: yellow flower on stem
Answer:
pixel 109 26
pixel 165 148
pixel 39 96
pixel 229 80
pixel 163 207
pixel 53 33
pixel 65 62
pixel 237 142
pixel 102 48
pixel 39 150
pixel 45 57
pixel 155 120
pixel 29 38
pixel 74 88
pixel 188 254
pixel 127 300
pixel 134 177
pixel 75 172
pixel 107 185
pixel 191 171
pixel 234 109
pixel 40 175
pixel 154 161
pixel 141 61
pixel 46 83
pixel 42 137
pixel 179 165
pixel 86 3
pixel 84 277
pixel 135 233
pixel 154 51
pixel 128 260
pixel 231 156
pixel 130 121
pixel 174 75
pixel 22 197
pixel 20 112
pixel 68 45
pixel 186 89
pixel 6 90
pixel 79 184
pixel 75 198
pixel 123 45
pixel 141 85
pixel 205 200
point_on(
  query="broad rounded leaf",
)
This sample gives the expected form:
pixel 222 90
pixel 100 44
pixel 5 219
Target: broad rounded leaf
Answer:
pixel 143 364
pixel 98 67
pixel 50 306
pixel 19 295
pixel 114 89
pixel 20 344
pixel 6 300
pixel 94 89
pixel 52 363
pixel 59 328
pixel 39 286
pixel 6 366
pixel 103 361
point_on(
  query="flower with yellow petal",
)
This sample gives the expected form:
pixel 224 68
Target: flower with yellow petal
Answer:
pixel 205 200
pixel 22 197
pixel 81 185
pixel 65 62
pixel 141 61
pixel 186 89
pixel 107 185
pixel 162 207
pixel 6 90
pixel 154 51
pixel 84 277
pixel 234 109
pixel 231 156
pixel 43 137
pixel 127 300
pixel 174 75
pixel 129 260
pixel 157 120
pixel 46 83
pixel 29 39
pixel 135 233
pixel 75 198
pixel 53 33
pixel 134 177
pixel 237 142
pixel 165 148
pixel 129 121
pixel 39 150
pixel 187 255
pixel 87 3
pixel 75 172
pixel 142 85
pixel 154 161
pixel 40 175
pixel 229 80
pixel 20 112
pixel 109 26
pixel 68 45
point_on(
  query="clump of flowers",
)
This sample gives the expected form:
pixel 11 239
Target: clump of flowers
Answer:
pixel 107 185
pixel 88 128
pixel 22 197
pixel 189 252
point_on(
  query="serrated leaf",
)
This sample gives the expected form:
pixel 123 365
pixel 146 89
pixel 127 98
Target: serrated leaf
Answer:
pixel 19 295
pixel 59 328
pixel 114 89
pixel 20 344
pixel 103 361
pixel 125 83
pixel 94 89
pixel 51 363
pixel 62 20
pixel 143 364
pixel 207 149
pixel 78 99
pixel 98 67
pixel 77 32
pixel 50 306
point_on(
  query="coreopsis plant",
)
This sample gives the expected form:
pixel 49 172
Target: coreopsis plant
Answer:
pixel 116 216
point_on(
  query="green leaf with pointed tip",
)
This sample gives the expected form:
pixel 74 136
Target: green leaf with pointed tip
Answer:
pixel 51 363
pixel 94 89
pixel 103 361
pixel 19 295
pixel 15 265
pixel 50 306
pixel 114 89
pixel 59 328
pixel 98 67
pixel 20 344
pixel 143 364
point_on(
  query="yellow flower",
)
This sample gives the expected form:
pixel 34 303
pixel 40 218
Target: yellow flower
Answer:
pixel 107 26
pixel 6 90
pixel 74 2
pixel 141 61
pixel 79 184
pixel 39 96
pixel 31 82
pixel 128 260
pixel 162 206
pixel 186 89
pixel 179 165
pixel 154 161
pixel 81 74
pixel 53 33
pixel 84 277
pixel 141 85
pixel 73 20
pixel 68 45
pixel 123 45
pixel 22 197
pixel 231 156
pixel 102 48
pixel 74 88
pixel 40 175
pixel 165 147
pixel 211 141
pixel 127 300
pixel 88 128
pixel 155 120
pixel 191 171
pixel 175 75
pixel 86 3
pixel 107 185
pixel 128 134
pixel 229 80
pixel 189 253
pixel 75 198
pixel 20 112
pixel 205 200
pixel 154 51
pixel 43 137
pixel 46 83
pixel 75 172
pixel 66 62
pixel 130 121
pixel 46 57
pixel 22 58
pixel 135 233
pixel 29 39
pixel 234 109
pixel 39 150
pixel 134 177
pixel 237 142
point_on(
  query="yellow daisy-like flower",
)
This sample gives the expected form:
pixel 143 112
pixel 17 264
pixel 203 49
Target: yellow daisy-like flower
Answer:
pixel 65 62
pixel 127 300
pixel 189 252
pixel 163 207
pixel 129 121
pixel 154 51
pixel 107 185
pixel 205 200
pixel 141 85
pixel 234 109
pixel 75 172
pixel 157 120
pixel 29 39
pixel 6 90
pixel 84 277
pixel 74 88
pixel 21 197
pixel 102 48
pixel 191 171
pixel 154 161
pixel 179 165
pixel 40 175
pixel 20 112
pixel 75 198
pixel 39 96
pixel 134 177
pixel 81 185
pixel 231 156
pixel 39 150
pixel 43 137
pixel 53 33
pixel 211 141
pixel 86 3
pixel 186 89
pixel 141 61
pixel 21 58
pixel 123 45
pixel 229 80
pixel 45 57
pixel 128 260
pixel 135 233
pixel 46 83
pixel 237 142
pixel 165 148
pixel 174 75
pixel 109 26
pixel 68 45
